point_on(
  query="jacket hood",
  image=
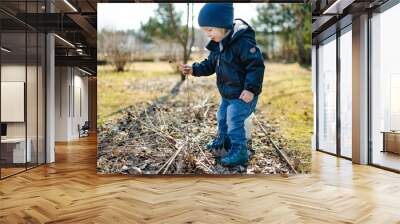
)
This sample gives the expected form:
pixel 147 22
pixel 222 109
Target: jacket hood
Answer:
pixel 240 29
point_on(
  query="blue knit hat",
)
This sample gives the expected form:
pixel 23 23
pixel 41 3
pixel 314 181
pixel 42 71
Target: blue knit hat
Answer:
pixel 216 15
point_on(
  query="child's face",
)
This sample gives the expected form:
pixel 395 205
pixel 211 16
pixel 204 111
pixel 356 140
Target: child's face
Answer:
pixel 215 34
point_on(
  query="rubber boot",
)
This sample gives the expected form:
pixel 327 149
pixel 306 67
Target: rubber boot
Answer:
pixel 237 156
pixel 219 143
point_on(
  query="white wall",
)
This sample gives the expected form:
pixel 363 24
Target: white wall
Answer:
pixel 62 81
pixel 14 73
pixel 33 126
pixel 80 100
pixel 70 84
pixel 13 101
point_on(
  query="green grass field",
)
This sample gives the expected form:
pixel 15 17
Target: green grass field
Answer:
pixel 286 99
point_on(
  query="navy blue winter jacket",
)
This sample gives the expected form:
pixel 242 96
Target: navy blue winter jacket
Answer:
pixel 239 65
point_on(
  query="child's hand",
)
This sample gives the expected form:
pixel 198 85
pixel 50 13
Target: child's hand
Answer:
pixel 186 69
pixel 246 96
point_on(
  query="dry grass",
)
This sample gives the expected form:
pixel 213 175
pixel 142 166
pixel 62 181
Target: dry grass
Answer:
pixel 118 90
pixel 286 98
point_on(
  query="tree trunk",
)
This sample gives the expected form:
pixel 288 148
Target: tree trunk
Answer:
pixel 185 39
pixel 273 46
pixel 300 48
pixel 304 55
pixel 187 50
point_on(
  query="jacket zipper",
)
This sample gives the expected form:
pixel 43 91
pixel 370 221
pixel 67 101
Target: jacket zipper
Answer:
pixel 219 74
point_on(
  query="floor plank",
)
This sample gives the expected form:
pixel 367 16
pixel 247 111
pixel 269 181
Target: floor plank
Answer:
pixel 70 191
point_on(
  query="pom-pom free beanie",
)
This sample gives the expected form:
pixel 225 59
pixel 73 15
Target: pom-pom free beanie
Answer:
pixel 216 15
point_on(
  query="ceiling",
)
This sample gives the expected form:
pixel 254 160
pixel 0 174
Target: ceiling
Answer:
pixel 328 16
pixel 73 21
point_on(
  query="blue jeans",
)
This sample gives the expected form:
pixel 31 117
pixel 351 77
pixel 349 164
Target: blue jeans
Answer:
pixel 231 116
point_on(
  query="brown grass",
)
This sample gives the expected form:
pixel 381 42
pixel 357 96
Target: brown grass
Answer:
pixel 286 98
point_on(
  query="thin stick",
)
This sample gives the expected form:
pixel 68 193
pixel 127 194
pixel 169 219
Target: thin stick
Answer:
pixel 188 111
pixel 201 150
pixel 282 154
pixel 159 170
pixel 205 113
pixel 204 165
pixel 158 132
pixel 173 158
pixel 167 162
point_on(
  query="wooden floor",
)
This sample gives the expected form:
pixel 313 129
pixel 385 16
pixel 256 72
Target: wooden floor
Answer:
pixel 387 159
pixel 10 171
pixel 70 191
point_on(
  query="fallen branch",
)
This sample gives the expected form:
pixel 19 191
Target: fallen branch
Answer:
pixel 282 154
pixel 173 158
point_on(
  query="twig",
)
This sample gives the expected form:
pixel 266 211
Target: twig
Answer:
pixel 205 156
pixel 205 113
pixel 168 161
pixel 282 154
pixel 173 158
pixel 158 132
pixel 204 165
pixel 159 170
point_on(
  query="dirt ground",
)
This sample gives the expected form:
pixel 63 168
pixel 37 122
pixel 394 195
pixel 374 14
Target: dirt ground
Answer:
pixel 147 128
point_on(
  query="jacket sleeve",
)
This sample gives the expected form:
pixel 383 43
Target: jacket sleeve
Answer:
pixel 251 57
pixel 206 67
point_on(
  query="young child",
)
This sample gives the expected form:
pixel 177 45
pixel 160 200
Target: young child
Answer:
pixel 239 65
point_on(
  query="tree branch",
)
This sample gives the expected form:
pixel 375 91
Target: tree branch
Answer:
pixel 173 22
pixel 192 40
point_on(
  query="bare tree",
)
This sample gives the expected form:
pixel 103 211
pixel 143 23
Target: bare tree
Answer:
pixel 167 25
pixel 116 48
